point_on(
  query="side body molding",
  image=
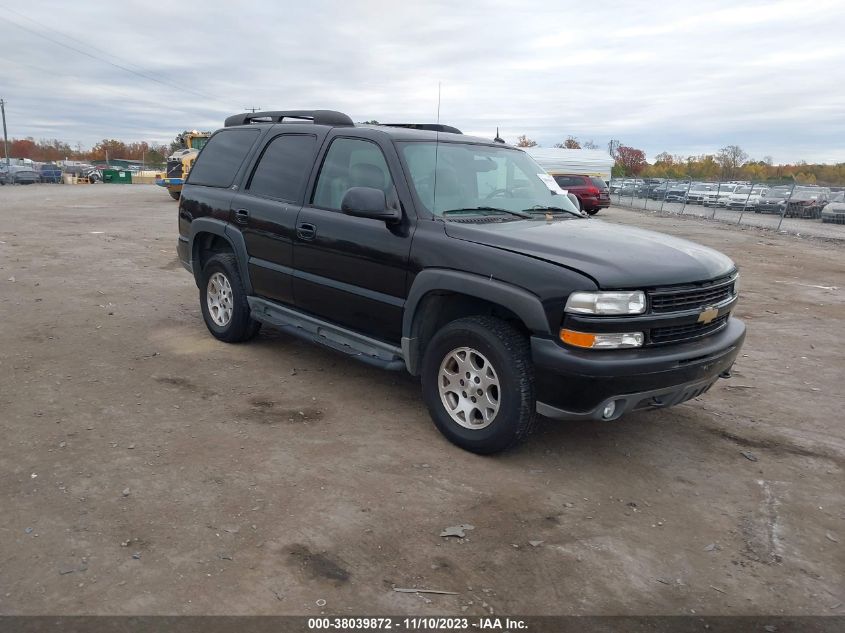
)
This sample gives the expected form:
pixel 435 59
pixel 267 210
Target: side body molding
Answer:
pixel 234 237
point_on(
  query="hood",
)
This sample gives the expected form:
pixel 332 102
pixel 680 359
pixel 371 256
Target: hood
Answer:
pixel 613 255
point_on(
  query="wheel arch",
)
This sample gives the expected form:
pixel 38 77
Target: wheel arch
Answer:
pixel 439 296
pixel 209 235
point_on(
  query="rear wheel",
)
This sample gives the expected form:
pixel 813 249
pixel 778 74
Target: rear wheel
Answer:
pixel 478 384
pixel 592 211
pixel 175 194
pixel 223 301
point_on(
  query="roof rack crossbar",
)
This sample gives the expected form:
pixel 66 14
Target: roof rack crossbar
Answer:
pixel 318 117
pixel 432 127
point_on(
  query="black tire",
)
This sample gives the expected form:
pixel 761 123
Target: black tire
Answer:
pixel 240 326
pixel 175 194
pixel 509 353
pixel 592 211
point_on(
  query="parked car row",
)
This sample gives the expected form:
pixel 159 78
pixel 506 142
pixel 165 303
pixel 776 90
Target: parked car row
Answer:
pixel 802 201
pixel 47 173
pixel 18 175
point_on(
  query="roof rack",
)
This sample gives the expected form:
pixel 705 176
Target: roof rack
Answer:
pixel 318 117
pixel 432 127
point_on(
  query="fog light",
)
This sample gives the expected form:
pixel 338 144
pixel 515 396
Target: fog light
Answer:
pixel 609 410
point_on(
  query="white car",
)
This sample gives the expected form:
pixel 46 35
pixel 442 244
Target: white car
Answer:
pixel 718 197
pixel 699 190
pixel 740 198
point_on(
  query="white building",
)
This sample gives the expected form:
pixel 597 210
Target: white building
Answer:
pixel 588 162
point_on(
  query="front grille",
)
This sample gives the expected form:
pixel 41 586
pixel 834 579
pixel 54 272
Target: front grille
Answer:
pixel 681 299
pixel 681 333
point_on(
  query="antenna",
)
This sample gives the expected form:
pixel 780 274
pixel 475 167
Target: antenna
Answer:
pixel 436 147
pixel 498 138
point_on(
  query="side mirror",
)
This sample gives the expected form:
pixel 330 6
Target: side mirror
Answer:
pixel 368 202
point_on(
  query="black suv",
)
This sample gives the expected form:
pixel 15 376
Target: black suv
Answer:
pixel 457 259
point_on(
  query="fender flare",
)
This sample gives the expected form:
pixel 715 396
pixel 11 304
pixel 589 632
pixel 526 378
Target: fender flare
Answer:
pixel 233 237
pixel 525 305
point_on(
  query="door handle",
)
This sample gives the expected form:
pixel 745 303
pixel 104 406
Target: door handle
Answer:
pixel 242 216
pixel 306 231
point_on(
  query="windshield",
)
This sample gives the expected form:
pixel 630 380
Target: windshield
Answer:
pixel 198 143
pixel 778 193
pixel 479 177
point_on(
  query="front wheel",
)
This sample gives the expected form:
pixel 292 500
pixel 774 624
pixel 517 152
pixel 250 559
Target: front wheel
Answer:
pixel 174 194
pixel 478 384
pixel 223 301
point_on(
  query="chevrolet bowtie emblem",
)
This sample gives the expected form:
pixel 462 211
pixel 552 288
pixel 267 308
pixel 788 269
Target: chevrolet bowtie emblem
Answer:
pixel 707 315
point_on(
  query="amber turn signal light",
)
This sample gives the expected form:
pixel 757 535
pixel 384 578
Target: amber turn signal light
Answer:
pixel 586 340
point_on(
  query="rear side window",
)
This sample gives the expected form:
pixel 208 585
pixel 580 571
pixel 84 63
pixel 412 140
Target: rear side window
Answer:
pixel 284 167
pixel 221 158
pixel 598 182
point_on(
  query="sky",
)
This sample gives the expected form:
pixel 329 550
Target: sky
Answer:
pixel 683 77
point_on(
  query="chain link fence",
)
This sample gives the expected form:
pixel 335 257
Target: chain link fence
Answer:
pixel 790 207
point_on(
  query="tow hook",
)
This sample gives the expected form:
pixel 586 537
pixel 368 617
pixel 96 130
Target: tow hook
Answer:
pixel 726 373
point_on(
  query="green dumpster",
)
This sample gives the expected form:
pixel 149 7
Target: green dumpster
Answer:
pixel 116 176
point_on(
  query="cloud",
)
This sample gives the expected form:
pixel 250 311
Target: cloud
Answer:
pixel 685 77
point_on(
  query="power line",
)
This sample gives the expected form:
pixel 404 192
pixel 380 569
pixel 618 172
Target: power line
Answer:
pixel 143 75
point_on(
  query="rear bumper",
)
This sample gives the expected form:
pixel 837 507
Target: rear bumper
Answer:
pixel 170 182
pixel 577 385
pixel 592 202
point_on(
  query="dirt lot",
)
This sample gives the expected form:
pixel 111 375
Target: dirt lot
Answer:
pixel 146 468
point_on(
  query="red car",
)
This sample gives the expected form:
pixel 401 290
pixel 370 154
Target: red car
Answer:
pixel 592 192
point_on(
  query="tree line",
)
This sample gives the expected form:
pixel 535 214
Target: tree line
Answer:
pixel 729 163
pixel 52 150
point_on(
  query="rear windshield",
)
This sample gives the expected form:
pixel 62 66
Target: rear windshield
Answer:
pixel 220 159
pixel 598 182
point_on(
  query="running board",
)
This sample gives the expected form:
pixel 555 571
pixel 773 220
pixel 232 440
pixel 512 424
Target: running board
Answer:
pixel 360 347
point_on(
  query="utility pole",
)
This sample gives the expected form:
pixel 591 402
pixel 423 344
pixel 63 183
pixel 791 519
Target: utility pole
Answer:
pixel 5 135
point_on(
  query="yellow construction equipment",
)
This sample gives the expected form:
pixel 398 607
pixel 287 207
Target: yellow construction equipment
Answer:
pixel 179 162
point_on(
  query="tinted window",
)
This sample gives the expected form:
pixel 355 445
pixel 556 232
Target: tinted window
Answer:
pixel 284 167
pixel 351 163
pixel 221 158
pixel 598 182
pixel 568 181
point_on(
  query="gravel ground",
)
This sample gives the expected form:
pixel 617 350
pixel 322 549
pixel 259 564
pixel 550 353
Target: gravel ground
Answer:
pixel 147 468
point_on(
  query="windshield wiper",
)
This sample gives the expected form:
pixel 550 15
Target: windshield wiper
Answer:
pixel 488 211
pixel 539 208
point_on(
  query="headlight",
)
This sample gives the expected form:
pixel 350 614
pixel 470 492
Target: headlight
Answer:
pixel 606 302
pixel 587 340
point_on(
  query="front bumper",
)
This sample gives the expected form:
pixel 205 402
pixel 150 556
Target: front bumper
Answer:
pixel 578 384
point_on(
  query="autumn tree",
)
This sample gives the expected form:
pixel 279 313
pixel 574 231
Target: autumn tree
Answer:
pixel 631 160
pixel 589 145
pixel 570 143
pixel 524 141
pixel 23 148
pixel 108 148
pixel 730 159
